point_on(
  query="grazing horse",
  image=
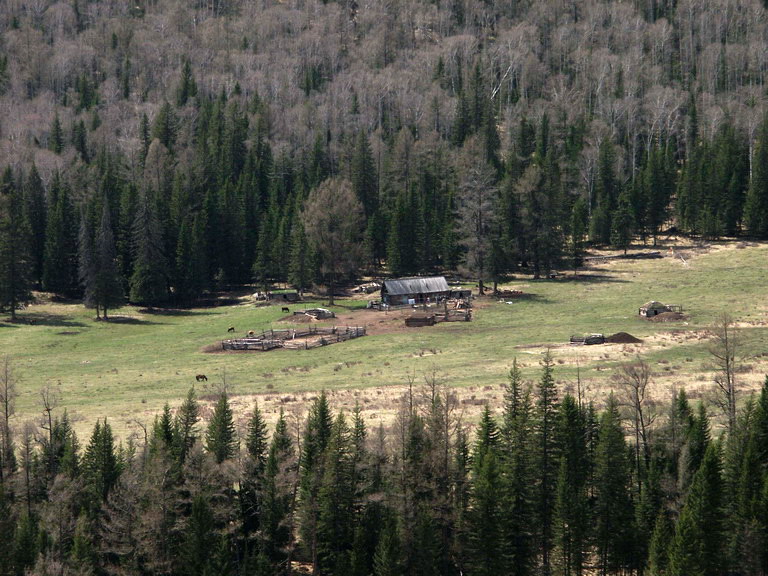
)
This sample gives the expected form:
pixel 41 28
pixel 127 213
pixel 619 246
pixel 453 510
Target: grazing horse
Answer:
pixel 231 329
pixel 251 333
pixel 201 378
pixel 286 309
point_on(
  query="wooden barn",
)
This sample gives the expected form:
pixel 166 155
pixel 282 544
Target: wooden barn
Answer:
pixel 401 291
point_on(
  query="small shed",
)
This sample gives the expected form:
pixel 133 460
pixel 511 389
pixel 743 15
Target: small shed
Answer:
pixel 284 296
pixel 419 290
pixel 653 308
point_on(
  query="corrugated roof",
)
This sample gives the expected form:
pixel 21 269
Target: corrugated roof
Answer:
pixel 401 286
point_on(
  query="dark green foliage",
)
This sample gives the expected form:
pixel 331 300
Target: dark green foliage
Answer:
pixel 148 281
pixel 518 476
pixel 165 127
pixel 614 512
pixel 199 540
pixel 547 454
pixel 35 211
pixel 622 224
pixel 658 554
pixel 484 526
pixel 101 467
pixel 697 546
pixel 15 264
pixel 221 436
pixel 571 514
pixel 99 270
pixel 187 87
pixel 756 206
pixel 60 265
pixel 80 140
pixel 56 136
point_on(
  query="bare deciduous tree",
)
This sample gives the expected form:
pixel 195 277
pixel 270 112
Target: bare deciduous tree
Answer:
pixel 478 212
pixel 333 221
pixel 8 395
pixel 724 350
pixel 633 379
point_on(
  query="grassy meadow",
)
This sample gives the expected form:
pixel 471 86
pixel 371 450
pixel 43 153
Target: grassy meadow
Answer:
pixel 126 369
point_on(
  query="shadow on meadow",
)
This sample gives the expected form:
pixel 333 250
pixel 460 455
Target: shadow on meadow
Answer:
pixel 174 312
pixel 46 319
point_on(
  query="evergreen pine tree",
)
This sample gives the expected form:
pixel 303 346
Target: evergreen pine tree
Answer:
pixel 697 546
pixel 107 284
pixel 15 265
pixel 614 513
pixel 148 281
pixel 221 437
pixel 484 524
pixel 199 539
pixel 35 210
pixel 517 476
pixel 364 179
pixel 60 263
pixel 185 424
pixel 56 137
pixel 571 514
pixel 756 205
pixel 101 467
pixel 658 553
pixel 547 458
pixel 278 494
pixel 621 224
pixel 187 87
pixel 317 434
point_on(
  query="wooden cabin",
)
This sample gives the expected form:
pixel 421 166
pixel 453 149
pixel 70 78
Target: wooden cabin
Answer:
pixel 404 291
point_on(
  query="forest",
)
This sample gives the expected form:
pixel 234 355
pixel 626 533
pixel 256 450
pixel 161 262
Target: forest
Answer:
pixel 545 484
pixel 155 151
pixel 165 149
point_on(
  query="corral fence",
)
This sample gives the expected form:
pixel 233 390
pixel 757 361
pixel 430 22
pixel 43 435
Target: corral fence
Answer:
pixel 295 339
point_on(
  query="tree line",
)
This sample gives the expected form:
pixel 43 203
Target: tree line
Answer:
pixel 244 214
pixel 478 137
pixel 546 483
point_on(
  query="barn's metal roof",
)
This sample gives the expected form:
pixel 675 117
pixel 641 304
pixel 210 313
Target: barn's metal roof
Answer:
pixel 402 286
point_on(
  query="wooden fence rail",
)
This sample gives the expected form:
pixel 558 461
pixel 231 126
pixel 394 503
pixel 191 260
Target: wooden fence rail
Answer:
pixel 303 339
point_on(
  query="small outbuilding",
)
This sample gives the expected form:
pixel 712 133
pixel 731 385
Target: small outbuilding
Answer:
pixel 404 291
pixel 653 308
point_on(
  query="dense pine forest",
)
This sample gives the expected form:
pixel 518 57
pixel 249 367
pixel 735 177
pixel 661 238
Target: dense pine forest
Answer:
pixel 159 150
pixel 545 484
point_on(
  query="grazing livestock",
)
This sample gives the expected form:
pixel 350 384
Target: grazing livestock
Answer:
pixel 251 333
pixel 201 378
pixel 286 309
pixel 231 329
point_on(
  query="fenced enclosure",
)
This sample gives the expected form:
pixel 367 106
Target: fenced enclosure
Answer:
pixel 295 339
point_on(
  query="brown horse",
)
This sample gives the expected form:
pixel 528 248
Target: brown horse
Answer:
pixel 201 378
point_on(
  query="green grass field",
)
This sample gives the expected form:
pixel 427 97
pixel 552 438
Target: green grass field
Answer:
pixel 128 368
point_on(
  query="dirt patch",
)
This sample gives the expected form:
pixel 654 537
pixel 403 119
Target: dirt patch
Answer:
pixel 622 338
pixel 298 319
pixel 668 317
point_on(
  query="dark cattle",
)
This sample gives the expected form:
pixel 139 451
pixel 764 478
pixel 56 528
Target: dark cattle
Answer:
pixel 201 378
pixel 286 309
pixel 231 329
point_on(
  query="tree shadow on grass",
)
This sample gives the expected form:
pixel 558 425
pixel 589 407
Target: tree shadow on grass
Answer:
pixel 44 319
pixel 174 312
pixel 128 320
pixel 585 278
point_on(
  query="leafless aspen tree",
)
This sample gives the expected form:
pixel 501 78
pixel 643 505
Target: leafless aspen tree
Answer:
pixel 724 349
pixel 633 379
